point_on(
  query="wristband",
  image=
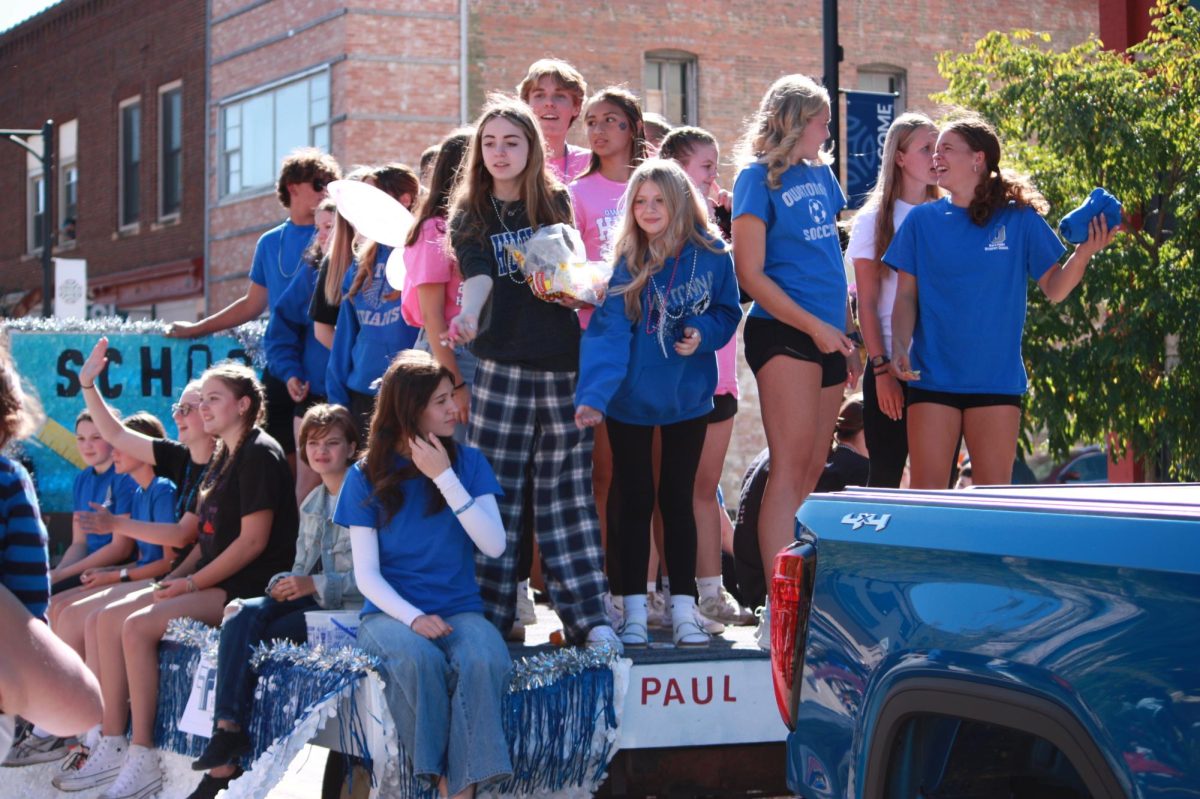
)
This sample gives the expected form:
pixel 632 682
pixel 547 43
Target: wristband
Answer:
pixel 125 575
pixel 460 511
pixel 191 585
pixel 85 388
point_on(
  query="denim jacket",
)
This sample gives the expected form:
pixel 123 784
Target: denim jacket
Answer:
pixel 321 540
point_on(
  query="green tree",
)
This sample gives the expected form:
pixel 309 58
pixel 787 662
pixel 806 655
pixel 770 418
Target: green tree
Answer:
pixel 1130 122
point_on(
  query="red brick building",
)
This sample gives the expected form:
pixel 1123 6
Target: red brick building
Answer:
pixel 124 83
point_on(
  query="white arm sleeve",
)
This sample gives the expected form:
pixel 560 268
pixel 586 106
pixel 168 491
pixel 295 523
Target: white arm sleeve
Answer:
pixel 481 520
pixel 364 545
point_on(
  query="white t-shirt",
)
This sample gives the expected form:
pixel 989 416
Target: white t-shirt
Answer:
pixel 862 245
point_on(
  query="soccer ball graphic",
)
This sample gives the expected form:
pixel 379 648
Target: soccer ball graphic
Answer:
pixel 816 209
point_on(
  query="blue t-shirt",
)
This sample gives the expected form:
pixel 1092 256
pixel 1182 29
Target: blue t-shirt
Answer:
pixel 803 252
pixel 971 293
pixel 279 255
pixel 428 560
pixel 154 503
pixel 113 491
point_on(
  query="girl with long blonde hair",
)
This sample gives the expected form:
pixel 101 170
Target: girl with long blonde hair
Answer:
pixel 649 362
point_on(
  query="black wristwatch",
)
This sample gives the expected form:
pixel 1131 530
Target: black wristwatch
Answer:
pixel 880 360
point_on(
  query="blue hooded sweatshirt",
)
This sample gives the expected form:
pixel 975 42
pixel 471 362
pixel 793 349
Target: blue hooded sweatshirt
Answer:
pixel 630 370
pixel 292 346
pixel 369 333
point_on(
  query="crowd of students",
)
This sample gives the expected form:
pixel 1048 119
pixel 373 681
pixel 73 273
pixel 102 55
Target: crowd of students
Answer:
pixel 447 425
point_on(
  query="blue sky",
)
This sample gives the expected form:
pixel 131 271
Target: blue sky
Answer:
pixel 14 11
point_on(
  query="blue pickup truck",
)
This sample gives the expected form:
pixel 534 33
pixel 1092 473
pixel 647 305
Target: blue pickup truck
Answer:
pixel 1033 641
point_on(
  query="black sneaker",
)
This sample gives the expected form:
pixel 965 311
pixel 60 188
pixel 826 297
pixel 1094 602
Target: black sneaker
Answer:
pixel 210 786
pixel 225 748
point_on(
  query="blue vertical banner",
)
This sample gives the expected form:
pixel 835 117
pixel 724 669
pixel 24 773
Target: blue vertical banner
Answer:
pixel 868 117
pixel 146 372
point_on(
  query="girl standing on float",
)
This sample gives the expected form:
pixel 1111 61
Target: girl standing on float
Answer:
pixel 649 362
pixel 696 150
pixel 974 249
pixel 432 294
pixel 799 338
pixel 522 416
pixel 906 179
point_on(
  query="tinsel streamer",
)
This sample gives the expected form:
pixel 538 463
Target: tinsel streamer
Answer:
pixel 248 335
pixel 178 655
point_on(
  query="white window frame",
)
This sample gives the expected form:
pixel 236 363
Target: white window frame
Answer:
pixel 898 76
pixel 122 225
pixel 236 100
pixel 67 160
pixel 33 195
pixel 173 216
pixel 691 82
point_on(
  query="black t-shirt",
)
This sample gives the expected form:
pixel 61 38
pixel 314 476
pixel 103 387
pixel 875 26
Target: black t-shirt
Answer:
pixel 257 479
pixel 845 467
pixel 515 326
pixel 173 461
pixel 319 308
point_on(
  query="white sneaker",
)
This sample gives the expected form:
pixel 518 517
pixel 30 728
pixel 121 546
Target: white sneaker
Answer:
pixel 658 612
pixel 526 612
pixel 604 635
pixel 710 626
pixel 140 777
pixel 614 611
pixel 687 633
pixel 725 609
pixel 34 748
pixel 102 766
pixel 762 633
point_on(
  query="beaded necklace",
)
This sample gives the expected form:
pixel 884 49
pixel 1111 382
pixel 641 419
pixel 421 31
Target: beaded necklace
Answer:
pixel 653 292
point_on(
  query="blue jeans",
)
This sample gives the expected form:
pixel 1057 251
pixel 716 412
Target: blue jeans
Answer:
pixel 260 619
pixel 445 695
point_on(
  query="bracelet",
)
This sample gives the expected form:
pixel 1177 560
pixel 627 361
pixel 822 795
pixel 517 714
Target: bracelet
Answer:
pixel 85 388
pixel 191 585
pixel 461 385
pixel 460 511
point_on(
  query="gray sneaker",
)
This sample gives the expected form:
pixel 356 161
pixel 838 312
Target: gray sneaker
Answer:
pixel 35 749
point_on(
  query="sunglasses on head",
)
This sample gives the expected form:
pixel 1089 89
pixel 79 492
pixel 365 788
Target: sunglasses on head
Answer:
pixel 182 409
pixel 319 184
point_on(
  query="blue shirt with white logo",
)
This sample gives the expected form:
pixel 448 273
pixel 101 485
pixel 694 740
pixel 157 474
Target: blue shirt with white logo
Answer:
pixel 803 252
pixel 972 283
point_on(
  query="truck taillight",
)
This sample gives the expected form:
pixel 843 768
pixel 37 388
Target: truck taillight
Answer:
pixel 791 587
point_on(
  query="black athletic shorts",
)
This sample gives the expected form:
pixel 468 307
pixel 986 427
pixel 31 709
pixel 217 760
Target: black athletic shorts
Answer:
pixel 724 407
pixel 280 412
pixel 961 401
pixel 766 338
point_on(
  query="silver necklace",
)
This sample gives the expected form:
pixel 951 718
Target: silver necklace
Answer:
pixel 279 264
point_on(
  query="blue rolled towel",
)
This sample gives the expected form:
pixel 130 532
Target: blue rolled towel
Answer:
pixel 1074 226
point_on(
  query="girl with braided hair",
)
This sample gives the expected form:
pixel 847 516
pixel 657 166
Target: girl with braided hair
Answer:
pixel 799 336
pixel 247 522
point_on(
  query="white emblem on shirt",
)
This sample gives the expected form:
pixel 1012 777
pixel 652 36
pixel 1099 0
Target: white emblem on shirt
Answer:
pixel 997 243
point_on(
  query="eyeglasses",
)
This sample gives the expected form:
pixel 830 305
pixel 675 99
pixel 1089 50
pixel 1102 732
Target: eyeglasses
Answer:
pixel 182 409
pixel 319 184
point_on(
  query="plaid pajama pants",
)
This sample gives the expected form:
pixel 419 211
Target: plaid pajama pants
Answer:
pixel 523 421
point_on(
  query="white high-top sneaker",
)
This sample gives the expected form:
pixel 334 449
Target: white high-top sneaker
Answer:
pixel 102 766
pixel 140 777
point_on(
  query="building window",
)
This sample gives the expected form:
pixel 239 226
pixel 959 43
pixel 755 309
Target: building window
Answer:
pixel 885 80
pixel 670 86
pixel 68 180
pixel 37 213
pixel 131 161
pixel 170 148
pixel 258 130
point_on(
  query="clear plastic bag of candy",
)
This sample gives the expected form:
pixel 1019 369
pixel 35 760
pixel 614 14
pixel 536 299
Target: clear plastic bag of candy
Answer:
pixel 556 266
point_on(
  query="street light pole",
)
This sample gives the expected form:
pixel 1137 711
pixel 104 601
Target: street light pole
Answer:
pixel 46 157
pixel 832 52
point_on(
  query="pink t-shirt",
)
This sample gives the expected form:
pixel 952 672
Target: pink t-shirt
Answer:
pixel 727 378
pixel 568 168
pixel 427 261
pixel 597 203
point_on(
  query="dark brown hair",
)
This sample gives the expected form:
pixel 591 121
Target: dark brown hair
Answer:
pixel 997 187
pixel 631 107
pixel 450 156
pixel 319 420
pixel 680 143
pixel 145 423
pixel 395 180
pixel 406 388
pixel 304 166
